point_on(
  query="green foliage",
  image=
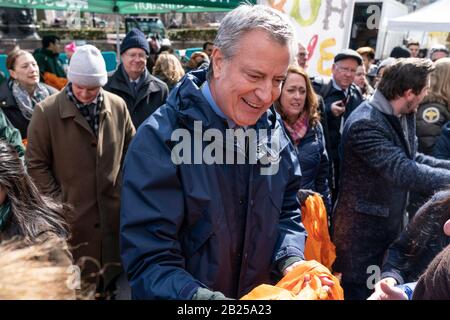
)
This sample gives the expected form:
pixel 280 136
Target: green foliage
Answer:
pixel 206 34
pixel 192 34
pixel 74 34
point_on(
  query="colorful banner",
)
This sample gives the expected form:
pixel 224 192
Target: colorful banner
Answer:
pixel 322 26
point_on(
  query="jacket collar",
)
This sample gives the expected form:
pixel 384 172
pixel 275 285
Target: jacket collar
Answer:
pixel 379 102
pixel 403 125
pixel 120 82
pixel 67 109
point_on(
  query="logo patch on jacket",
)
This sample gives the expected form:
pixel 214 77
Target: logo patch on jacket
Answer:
pixel 431 115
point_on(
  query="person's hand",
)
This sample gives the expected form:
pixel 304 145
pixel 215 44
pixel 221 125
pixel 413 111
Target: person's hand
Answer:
pixel 337 108
pixel 447 228
pixel 327 283
pixel 302 194
pixel 385 290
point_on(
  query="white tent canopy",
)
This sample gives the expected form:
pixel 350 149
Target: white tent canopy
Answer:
pixel 434 17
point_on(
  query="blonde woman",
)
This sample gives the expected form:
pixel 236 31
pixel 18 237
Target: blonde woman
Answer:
pixel 198 60
pixel 168 69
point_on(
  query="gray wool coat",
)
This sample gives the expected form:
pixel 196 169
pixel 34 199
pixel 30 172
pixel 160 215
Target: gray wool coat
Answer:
pixel 380 166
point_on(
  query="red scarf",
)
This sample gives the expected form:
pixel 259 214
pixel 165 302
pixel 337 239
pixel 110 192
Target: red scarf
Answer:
pixel 298 130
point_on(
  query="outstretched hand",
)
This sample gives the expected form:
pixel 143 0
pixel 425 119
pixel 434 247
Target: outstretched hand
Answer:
pixel 386 291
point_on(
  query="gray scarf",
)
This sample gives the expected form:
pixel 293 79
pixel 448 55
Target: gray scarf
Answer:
pixel 25 102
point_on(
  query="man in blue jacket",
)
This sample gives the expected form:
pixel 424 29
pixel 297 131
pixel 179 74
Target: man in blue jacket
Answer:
pixel 202 229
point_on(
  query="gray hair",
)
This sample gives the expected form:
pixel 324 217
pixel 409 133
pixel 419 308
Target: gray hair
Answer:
pixel 246 18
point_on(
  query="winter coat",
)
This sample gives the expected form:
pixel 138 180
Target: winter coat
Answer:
pixel 152 93
pixel 9 106
pixel 430 118
pixel 48 61
pixel 408 257
pixel 380 165
pixel 187 226
pixel 11 135
pixel 314 163
pixel 66 160
pixel 329 96
pixel 441 149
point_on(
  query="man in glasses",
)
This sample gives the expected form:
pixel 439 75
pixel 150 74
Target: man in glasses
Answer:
pixel 340 97
pixel 302 56
pixel 142 92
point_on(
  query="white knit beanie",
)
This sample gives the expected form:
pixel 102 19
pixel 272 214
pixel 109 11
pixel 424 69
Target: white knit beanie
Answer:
pixel 87 67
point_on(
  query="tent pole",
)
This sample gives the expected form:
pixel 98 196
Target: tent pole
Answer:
pixel 117 18
pixel 117 37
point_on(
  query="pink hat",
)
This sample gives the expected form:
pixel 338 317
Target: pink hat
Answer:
pixel 71 47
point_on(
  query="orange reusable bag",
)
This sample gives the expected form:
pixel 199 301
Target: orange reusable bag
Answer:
pixel 318 243
pixel 295 282
pixel 302 283
pixel 268 292
pixel 54 81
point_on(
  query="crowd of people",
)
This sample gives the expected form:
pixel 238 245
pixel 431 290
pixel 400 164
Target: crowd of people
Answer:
pixel 90 164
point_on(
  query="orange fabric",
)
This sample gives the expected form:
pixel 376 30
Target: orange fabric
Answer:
pixel 268 292
pixel 318 243
pixel 294 287
pixel 54 81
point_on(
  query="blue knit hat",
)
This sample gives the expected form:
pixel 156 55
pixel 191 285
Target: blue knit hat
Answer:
pixel 134 39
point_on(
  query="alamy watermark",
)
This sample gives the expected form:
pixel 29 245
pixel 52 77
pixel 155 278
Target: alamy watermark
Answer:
pixel 375 276
pixel 236 146
pixel 373 21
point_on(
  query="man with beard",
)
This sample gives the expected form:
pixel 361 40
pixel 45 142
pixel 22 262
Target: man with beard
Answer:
pixel 380 165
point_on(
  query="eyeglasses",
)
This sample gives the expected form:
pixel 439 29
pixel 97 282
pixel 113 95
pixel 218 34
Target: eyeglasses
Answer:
pixel 141 56
pixel 302 54
pixel 346 69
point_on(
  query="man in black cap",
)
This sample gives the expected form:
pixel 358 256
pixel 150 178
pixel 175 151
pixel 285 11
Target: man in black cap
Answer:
pixel 340 97
pixel 142 92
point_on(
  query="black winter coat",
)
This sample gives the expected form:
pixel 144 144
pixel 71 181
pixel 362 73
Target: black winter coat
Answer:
pixel 314 163
pixel 152 93
pixel 9 107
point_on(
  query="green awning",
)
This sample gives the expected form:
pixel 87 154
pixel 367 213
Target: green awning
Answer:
pixel 126 6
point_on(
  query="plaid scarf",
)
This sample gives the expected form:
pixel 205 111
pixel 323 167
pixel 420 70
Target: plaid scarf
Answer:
pixel 298 130
pixel 90 111
pixel 26 102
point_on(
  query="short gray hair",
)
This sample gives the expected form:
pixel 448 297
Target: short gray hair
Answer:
pixel 246 18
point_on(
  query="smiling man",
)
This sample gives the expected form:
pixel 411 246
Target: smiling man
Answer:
pixel 76 143
pixel 142 92
pixel 210 231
